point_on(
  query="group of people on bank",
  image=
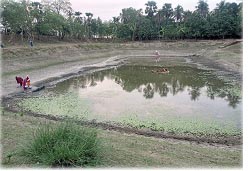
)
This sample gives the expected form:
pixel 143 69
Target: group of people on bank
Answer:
pixel 25 83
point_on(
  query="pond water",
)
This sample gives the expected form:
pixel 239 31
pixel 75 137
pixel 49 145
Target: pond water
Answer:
pixel 136 92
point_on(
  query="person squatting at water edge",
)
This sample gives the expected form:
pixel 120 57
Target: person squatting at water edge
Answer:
pixel 25 83
pixel 19 80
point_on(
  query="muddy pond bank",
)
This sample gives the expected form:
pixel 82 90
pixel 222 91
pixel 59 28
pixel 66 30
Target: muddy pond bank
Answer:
pixel 35 99
pixel 170 59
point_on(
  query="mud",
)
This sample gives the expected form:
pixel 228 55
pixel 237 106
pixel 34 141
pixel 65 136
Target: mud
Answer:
pixel 197 57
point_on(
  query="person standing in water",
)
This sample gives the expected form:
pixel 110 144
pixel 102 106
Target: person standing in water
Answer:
pixel 157 56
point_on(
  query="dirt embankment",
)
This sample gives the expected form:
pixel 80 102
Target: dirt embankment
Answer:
pixel 45 61
pixel 49 62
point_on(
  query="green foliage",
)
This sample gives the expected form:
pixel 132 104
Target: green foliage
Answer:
pixel 58 19
pixel 202 8
pixel 151 8
pixel 66 145
pixel 15 16
pixel 124 31
pixel 146 29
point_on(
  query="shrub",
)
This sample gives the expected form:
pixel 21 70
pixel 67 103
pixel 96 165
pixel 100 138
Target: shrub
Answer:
pixel 65 145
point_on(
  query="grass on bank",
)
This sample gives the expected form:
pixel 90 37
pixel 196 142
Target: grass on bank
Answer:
pixel 120 149
pixel 64 145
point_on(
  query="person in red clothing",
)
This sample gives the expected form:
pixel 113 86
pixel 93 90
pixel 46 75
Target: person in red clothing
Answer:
pixel 24 84
pixel 19 80
pixel 28 81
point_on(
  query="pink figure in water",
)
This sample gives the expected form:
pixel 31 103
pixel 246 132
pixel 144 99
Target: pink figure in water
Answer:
pixel 157 56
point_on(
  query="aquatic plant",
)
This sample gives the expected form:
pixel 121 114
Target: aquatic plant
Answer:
pixel 68 104
pixel 178 125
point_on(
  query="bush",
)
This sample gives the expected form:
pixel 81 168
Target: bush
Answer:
pixel 66 145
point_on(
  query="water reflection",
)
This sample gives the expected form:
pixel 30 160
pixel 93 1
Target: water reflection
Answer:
pixel 149 91
pixel 194 81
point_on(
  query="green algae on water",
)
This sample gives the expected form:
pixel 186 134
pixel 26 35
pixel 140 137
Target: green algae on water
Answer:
pixel 182 126
pixel 68 104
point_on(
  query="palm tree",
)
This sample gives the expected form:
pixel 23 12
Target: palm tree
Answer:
pixel 158 20
pixel 178 13
pixel 78 17
pixel 202 8
pixel 116 19
pixel 186 15
pixel 151 8
pixel 89 19
pixel 167 12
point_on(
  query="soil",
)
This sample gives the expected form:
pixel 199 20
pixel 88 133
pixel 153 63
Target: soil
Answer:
pixel 49 64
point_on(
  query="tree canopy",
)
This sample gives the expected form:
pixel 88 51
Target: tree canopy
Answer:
pixel 57 18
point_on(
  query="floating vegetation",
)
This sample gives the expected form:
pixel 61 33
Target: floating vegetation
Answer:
pixel 68 104
pixel 185 126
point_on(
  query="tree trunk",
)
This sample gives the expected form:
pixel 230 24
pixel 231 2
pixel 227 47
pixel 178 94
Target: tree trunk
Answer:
pixel 133 35
pixel 22 36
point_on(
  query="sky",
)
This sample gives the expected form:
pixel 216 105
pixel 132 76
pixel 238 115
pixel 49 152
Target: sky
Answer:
pixel 106 9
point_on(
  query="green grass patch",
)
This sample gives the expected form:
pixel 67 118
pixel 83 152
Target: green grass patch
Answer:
pixel 64 145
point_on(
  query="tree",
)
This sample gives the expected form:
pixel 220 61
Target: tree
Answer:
pixel 158 19
pixel 16 16
pixel 115 25
pixel 167 12
pixel 61 6
pixel 226 20
pixel 178 13
pixel 130 16
pixel 146 30
pixel 101 27
pixel 88 23
pixel 197 26
pixel 76 25
pixel 202 8
pixel 123 31
pixel 151 8
pixel 37 12
pixel 239 20
pixel 56 18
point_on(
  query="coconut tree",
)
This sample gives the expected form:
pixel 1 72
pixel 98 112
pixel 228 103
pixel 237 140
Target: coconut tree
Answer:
pixel 167 12
pixel 151 8
pixel 178 13
pixel 88 23
pixel 202 8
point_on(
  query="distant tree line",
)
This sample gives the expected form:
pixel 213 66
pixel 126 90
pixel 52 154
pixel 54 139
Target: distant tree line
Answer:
pixel 56 18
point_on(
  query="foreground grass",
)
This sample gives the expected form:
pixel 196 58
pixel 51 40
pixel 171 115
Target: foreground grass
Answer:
pixel 120 149
pixel 63 145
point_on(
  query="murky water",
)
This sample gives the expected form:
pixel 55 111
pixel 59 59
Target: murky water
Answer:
pixel 134 91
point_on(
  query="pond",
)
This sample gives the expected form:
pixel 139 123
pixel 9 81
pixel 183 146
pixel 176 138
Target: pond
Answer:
pixel 186 98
